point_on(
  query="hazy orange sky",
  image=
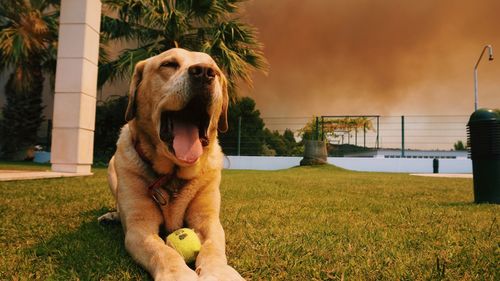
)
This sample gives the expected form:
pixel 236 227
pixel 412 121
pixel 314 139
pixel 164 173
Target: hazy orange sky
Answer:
pixel 388 57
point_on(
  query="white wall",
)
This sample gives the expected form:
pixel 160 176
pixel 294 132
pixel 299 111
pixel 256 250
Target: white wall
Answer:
pixel 397 165
pixel 455 166
pixel 260 162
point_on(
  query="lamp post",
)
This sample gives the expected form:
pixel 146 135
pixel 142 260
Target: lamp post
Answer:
pixel 490 51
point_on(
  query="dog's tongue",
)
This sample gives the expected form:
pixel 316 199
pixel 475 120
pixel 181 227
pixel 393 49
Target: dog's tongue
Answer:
pixel 187 145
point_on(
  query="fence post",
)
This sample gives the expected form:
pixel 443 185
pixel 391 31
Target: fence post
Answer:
pixel 364 135
pixel 239 136
pixel 322 128
pixel 317 129
pixel 402 136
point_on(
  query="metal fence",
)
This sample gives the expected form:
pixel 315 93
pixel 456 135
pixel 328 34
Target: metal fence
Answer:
pixel 415 132
pixel 409 132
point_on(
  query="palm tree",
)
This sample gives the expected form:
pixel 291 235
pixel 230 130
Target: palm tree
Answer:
pixel 313 130
pixel 361 123
pixel 154 26
pixel 28 44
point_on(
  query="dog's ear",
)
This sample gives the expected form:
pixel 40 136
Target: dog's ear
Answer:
pixel 134 85
pixel 222 125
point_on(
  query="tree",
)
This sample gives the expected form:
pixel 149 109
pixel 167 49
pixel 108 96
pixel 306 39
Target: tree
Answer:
pixel 328 128
pixel 276 142
pixel 255 139
pixel 289 136
pixel 312 130
pixel 108 123
pixel 364 124
pixel 282 145
pixel 28 39
pixel 459 145
pixel 252 129
pixel 209 26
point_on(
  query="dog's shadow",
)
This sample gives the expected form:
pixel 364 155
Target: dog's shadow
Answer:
pixel 93 251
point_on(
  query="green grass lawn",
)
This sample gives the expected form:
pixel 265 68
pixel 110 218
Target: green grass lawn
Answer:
pixel 319 223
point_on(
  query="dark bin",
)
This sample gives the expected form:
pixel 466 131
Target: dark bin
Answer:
pixel 484 146
pixel 435 166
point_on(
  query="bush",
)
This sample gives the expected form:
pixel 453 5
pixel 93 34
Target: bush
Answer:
pixel 110 117
pixel 459 146
pixel 252 129
pixel 1 134
pixel 21 119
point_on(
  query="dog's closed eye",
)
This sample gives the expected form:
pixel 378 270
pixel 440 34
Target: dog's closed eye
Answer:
pixel 170 64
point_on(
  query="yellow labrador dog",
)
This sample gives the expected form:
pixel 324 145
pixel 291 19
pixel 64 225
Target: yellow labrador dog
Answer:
pixel 167 167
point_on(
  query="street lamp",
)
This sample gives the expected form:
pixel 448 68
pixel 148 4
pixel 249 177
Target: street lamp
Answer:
pixel 490 51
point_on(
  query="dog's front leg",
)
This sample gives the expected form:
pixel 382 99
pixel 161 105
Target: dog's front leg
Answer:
pixel 211 264
pixel 141 220
pixel 161 261
pixel 203 216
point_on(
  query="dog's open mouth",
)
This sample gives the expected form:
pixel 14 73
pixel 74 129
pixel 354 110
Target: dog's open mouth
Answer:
pixel 185 131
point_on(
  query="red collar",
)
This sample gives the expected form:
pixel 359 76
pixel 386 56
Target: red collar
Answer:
pixel 169 182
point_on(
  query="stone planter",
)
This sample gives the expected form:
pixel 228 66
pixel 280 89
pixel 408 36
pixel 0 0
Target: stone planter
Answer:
pixel 314 153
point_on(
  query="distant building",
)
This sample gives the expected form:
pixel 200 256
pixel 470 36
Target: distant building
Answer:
pixel 421 154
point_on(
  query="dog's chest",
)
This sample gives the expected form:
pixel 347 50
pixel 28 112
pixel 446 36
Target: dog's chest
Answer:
pixel 173 198
pixel 166 189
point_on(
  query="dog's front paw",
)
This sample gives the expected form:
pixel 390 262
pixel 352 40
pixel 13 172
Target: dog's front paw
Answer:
pixel 185 275
pixel 221 272
pixel 110 217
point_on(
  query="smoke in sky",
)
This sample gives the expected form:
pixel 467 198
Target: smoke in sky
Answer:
pixel 375 57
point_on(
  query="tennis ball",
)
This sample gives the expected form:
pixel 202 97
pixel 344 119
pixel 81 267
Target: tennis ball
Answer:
pixel 186 243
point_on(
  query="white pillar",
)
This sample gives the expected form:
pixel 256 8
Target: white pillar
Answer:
pixel 76 86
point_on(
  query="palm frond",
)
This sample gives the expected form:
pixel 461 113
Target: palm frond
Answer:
pixel 123 66
pixel 209 26
pixel 26 32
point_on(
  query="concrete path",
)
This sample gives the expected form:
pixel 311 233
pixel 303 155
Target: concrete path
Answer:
pixel 12 175
pixel 464 176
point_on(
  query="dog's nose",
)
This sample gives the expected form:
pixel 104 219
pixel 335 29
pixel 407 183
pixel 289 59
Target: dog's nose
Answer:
pixel 203 72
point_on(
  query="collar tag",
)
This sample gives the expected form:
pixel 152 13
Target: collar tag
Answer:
pixel 159 196
pixel 157 192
